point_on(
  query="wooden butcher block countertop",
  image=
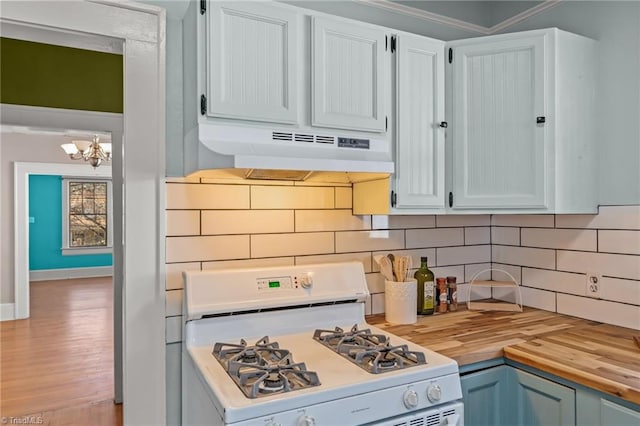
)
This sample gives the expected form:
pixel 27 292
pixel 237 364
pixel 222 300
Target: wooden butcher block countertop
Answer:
pixel 596 355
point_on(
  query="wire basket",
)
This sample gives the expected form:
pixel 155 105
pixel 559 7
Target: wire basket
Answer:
pixel 506 287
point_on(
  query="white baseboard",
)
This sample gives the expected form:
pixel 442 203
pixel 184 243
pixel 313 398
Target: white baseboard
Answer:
pixel 7 312
pixel 63 274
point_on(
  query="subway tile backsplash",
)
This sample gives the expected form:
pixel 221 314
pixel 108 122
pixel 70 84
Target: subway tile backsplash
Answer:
pixel 554 254
pixel 524 256
pixel 201 248
pixel 212 225
pixel 571 239
pixel 275 223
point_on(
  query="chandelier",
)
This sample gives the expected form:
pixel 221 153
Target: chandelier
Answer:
pixel 92 151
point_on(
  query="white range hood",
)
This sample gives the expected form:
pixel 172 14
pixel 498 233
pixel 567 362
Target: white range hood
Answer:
pixel 251 109
pixel 286 154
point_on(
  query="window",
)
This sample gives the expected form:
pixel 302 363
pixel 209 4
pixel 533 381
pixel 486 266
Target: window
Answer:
pixel 86 219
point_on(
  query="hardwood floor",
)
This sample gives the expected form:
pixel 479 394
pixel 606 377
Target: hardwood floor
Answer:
pixel 57 366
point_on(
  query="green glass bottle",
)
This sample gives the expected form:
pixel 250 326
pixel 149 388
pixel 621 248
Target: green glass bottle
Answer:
pixel 426 288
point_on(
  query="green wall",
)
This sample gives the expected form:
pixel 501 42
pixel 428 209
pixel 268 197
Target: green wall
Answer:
pixel 45 75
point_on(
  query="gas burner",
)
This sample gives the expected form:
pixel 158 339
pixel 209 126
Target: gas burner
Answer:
pixel 257 380
pixel 371 352
pixel 264 368
pixel 272 383
pixel 262 353
pixel 337 337
pixel 384 363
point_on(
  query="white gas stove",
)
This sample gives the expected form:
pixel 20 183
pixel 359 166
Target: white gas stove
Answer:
pixel 290 346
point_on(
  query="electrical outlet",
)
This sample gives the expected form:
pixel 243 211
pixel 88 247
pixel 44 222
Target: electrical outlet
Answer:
pixel 593 284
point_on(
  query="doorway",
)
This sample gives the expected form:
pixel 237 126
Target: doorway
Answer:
pixel 142 29
pixel 71 322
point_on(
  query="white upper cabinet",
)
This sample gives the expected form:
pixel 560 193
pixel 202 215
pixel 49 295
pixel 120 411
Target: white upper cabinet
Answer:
pixel 348 75
pixel 420 155
pixel 498 151
pixel 252 61
pixel 522 124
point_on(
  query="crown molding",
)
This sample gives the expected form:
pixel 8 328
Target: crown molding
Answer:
pixel 425 15
pixel 535 10
pixel 458 23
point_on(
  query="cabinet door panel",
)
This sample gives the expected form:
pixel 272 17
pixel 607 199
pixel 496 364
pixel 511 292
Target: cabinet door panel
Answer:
pixel 252 62
pixel 614 414
pixel 420 109
pixel 542 402
pixel 348 76
pixel 485 397
pixel 499 149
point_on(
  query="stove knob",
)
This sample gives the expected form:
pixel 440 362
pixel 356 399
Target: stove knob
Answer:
pixel 306 281
pixel 410 399
pixel 434 393
pixel 306 421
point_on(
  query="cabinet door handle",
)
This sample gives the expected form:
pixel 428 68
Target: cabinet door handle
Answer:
pixel 541 120
pixel 444 124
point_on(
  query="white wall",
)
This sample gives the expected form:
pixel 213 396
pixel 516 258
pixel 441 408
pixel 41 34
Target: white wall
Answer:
pixel 28 148
pixel 616 26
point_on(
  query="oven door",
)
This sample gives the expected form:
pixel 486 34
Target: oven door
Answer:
pixel 448 414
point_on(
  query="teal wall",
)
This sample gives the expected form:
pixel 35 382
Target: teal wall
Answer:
pixel 45 233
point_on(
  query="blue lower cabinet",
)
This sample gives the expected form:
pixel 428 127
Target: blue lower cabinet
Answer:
pixel 541 402
pixel 593 410
pixel 614 414
pixel 505 395
pixel 485 397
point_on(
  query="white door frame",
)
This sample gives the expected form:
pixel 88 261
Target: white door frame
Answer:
pixel 141 166
pixel 21 173
pixel 58 119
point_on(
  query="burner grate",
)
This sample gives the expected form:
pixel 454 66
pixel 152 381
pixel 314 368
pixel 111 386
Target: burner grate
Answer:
pixel 263 369
pixel 372 352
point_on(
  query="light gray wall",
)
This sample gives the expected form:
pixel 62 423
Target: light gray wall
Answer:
pixel 21 148
pixel 616 26
pixel 501 10
pixel 175 102
pixel 485 13
pixel 475 12
pixel 362 12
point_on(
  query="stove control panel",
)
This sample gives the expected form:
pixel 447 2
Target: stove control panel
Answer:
pixel 276 283
pixel 389 406
pixel 302 280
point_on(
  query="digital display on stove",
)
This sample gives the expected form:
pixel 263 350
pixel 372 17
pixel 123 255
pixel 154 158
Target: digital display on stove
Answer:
pixel 275 284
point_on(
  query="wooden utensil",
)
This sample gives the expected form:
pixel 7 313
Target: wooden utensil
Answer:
pixel 637 340
pixel 396 269
pixel 400 268
pixel 386 269
pixel 392 262
pixel 409 264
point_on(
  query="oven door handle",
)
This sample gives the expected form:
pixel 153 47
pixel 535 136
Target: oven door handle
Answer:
pixel 452 420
